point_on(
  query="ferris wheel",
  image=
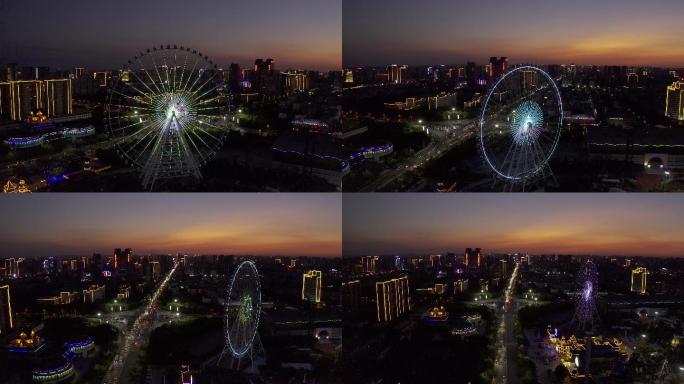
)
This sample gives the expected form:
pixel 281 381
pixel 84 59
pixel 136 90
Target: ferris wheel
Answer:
pixel 520 124
pixel 585 304
pixel 243 308
pixel 166 112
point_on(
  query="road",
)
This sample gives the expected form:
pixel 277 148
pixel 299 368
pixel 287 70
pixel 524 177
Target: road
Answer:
pixel 130 339
pixel 505 364
pixel 442 139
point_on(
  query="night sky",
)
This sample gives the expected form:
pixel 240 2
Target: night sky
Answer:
pixel 105 34
pixel 624 32
pixel 259 224
pixel 597 224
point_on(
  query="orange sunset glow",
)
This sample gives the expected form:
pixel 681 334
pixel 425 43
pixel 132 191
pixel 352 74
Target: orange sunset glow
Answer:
pixel 596 224
pixel 247 224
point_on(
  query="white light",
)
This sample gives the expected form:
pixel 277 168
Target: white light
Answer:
pixel 240 110
pixel 643 335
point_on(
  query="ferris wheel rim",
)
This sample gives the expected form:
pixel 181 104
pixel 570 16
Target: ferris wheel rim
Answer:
pixel 253 330
pixel 203 139
pixel 481 124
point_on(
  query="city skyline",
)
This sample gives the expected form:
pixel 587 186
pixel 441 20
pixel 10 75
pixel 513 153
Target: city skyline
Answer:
pixel 588 224
pixel 244 224
pixel 302 34
pixel 544 32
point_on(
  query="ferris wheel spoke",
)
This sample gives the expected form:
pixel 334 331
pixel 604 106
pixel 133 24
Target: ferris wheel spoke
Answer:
pixel 133 71
pixel 190 74
pixel 184 71
pixel 130 97
pixel 156 70
pixel 514 163
pixel 144 149
pixel 130 85
pixel 206 145
pixel 508 153
pixel 208 133
pixel 210 89
pixel 131 107
pixel 175 69
pixel 127 126
pixel 197 150
pixel 147 73
pixel 197 77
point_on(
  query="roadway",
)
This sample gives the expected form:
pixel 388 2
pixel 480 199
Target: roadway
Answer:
pixel 130 339
pixel 443 136
pixel 507 347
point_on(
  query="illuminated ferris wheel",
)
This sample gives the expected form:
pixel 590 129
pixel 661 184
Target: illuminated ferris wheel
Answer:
pixel 243 308
pixel 167 114
pixel 586 312
pixel 520 124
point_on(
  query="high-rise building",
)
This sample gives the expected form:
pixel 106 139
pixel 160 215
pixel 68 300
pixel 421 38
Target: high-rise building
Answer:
pixel 6 322
pixel 18 99
pixel 638 281
pixel 13 267
pixel 155 270
pixel 472 73
pixel 504 267
pixel 530 79
pixel 58 97
pixel 368 263
pixel 311 286
pixel 263 74
pixel 396 74
pixel 674 101
pixel 122 259
pixel 94 293
pixel 234 77
pixel 471 259
pixel 11 72
pixel 351 295
pixel 497 67
pixel 392 298
pixel 25 96
pixel 294 81
pixel 79 72
pixel 460 286
pixel 102 78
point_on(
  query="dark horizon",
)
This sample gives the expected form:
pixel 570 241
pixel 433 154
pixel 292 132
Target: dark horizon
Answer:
pixel 301 34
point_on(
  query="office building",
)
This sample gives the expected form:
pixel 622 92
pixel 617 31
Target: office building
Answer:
pixel 638 280
pixel 311 286
pixel 6 320
pixel 94 293
pixel 392 298
pixel 472 259
pixel 674 101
